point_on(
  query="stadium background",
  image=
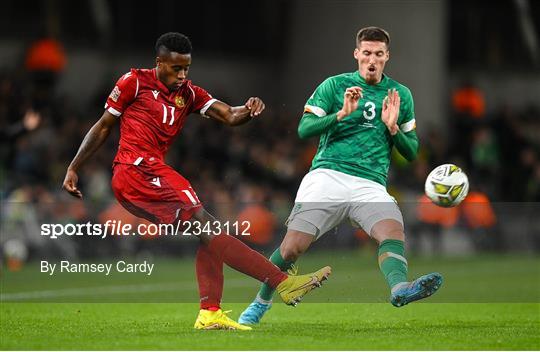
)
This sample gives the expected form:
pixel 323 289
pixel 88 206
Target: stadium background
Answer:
pixel 474 72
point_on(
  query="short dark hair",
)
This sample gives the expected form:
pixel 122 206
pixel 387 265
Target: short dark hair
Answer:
pixel 173 41
pixel 373 34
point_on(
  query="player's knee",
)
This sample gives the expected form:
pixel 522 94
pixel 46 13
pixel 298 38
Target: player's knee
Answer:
pixel 291 254
pixel 205 239
pixel 388 230
pixel 292 251
pixel 295 244
pixel 396 234
pixel 202 216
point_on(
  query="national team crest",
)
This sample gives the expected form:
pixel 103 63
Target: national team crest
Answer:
pixel 179 101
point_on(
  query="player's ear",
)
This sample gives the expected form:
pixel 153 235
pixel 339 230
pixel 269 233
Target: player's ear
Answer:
pixel 158 61
pixel 355 53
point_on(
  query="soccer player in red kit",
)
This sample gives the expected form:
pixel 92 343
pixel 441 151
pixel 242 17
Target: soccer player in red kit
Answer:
pixel 152 106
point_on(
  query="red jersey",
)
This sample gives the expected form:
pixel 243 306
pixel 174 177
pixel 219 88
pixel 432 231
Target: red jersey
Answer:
pixel 151 115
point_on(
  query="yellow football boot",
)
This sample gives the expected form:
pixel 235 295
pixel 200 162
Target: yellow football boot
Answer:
pixel 217 320
pixel 295 287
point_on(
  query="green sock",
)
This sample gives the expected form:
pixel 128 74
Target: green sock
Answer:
pixel 392 261
pixel 266 292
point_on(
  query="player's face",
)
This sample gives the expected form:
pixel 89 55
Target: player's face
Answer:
pixel 371 57
pixel 172 69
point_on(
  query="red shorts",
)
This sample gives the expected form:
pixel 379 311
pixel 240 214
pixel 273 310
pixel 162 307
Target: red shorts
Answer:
pixel 155 192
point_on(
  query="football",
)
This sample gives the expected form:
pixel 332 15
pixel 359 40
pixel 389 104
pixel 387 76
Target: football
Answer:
pixel 447 185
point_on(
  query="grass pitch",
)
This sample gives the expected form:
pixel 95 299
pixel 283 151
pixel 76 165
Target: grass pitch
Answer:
pixel 311 326
pixel 486 303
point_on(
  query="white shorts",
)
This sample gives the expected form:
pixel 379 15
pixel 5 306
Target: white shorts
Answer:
pixel 327 197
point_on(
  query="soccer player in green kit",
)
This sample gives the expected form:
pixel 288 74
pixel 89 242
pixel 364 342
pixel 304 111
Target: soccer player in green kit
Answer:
pixel 359 116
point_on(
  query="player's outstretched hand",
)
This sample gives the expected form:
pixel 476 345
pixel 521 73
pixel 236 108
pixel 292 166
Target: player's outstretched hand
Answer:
pixel 255 105
pixel 70 184
pixel 390 111
pixel 350 102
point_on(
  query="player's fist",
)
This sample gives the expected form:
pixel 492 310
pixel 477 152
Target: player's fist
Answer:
pixel 350 102
pixel 70 184
pixel 255 105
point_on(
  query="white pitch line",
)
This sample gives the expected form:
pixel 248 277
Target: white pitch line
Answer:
pixel 117 289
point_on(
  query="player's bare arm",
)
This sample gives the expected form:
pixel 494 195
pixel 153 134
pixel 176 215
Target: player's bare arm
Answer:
pixel 92 141
pixel 350 102
pixel 236 115
pixel 390 111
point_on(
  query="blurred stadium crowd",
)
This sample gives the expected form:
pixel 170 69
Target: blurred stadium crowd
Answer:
pixel 252 172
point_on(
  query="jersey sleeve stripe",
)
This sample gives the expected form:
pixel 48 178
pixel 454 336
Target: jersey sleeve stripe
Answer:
pixel 206 106
pixel 315 110
pixel 137 89
pixel 408 126
pixel 114 111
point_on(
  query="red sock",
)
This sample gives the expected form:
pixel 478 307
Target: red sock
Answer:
pixel 244 259
pixel 209 271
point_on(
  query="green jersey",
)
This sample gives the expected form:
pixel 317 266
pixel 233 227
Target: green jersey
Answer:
pixel 360 144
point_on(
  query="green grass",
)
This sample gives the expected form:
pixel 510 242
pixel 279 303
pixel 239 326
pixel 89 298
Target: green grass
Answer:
pixel 486 303
pixel 142 326
pixel 355 279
